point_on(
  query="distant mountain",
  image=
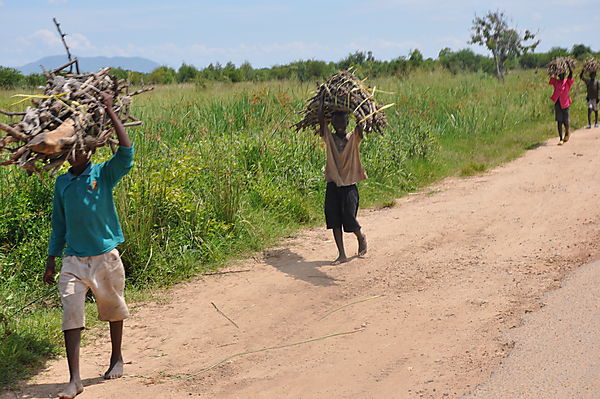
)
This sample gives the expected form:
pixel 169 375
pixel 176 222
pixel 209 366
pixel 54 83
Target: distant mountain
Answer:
pixel 91 64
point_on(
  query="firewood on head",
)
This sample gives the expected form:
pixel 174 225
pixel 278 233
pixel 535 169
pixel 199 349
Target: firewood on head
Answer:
pixel 55 141
pixel 344 92
pixel 68 119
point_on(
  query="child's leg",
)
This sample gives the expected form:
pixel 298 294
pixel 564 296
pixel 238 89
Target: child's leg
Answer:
pixel 590 116
pixel 560 132
pixel 596 112
pixel 115 370
pixel 351 203
pixel 72 343
pixel 338 235
pixel 566 131
pixel 73 288
pixel 108 288
pixel 362 242
pixel 333 218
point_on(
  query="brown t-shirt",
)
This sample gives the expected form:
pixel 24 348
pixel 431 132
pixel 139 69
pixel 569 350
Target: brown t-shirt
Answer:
pixel 343 167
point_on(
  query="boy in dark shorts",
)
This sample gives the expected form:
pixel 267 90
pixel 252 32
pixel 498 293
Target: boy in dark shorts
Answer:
pixel 86 228
pixel 593 87
pixel 342 171
pixel 561 101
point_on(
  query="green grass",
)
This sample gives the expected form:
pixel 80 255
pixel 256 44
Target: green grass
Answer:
pixel 219 173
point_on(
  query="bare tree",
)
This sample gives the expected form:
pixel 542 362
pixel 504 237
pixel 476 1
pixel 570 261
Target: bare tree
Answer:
pixel 493 32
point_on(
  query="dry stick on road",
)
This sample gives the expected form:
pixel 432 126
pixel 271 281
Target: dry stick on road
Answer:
pixel 225 272
pixel 224 315
pixel 350 304
pixel 212 366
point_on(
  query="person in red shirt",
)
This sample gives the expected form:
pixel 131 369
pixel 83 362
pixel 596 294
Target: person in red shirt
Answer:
pixel 561 101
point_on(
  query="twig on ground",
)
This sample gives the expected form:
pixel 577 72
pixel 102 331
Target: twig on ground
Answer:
pixel 350 304
pixel 191 375
pixel 224 315
pixel 225 272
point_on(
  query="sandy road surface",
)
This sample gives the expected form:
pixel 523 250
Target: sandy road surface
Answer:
pixel 456 266
pixel 557 350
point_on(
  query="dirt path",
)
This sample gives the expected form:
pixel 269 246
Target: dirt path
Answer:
pixel 456 267
pixel 556 350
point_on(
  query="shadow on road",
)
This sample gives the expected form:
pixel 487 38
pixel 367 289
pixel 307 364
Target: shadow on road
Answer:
pixel 44 391
pixel 294 265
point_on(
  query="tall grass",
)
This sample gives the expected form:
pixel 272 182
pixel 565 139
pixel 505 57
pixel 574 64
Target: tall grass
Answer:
pixel 219 172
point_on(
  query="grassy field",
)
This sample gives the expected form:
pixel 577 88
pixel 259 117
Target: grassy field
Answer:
pixel 219 173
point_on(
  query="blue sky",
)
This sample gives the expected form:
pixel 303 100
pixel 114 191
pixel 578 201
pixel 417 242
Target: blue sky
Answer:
pixel 269 32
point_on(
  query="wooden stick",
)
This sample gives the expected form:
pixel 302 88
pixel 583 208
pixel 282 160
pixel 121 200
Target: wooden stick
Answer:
pixel 224 315
pixel 62 37
pixel 187 376
pixel 8 113
pixel 350 304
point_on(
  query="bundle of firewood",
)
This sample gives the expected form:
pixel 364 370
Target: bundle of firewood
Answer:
pixel 344 92
pixel 67 118
pixel 561 65
pixel 591 65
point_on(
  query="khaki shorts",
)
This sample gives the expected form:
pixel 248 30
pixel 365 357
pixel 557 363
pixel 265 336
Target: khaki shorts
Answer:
pixel 104 275
pixel 593 105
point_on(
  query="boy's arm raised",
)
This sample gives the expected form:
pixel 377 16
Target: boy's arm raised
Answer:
pixel 321 116
pixel 122 135
pixel 118 166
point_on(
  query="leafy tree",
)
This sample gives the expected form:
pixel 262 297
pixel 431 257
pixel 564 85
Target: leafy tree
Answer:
pixel 415 58
pixel 186 73
pixel 493 32
pixel 246 71
pixel 353 59
pixel 231 73
pixel 10 78
pixel 35 80
pixel 162 75
pixel 465 61
pixel 581 51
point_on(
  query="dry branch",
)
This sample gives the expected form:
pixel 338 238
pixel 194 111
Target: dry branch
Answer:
pixel 560 65
pixel 68 118
pixel 591 65
pixel 344 92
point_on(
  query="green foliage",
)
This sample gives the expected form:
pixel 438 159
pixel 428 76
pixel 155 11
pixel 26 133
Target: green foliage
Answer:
pixel 162 75
pixel 10 78
pixel 465 61
pixel 186 73
pixel 581 51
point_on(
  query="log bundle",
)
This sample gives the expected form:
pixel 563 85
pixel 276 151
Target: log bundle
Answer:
pixel 560 65
pixel 344 92
pixel 591 65
pixel 66 119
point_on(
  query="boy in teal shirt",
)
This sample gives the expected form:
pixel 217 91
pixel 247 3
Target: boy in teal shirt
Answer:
pixel 85 227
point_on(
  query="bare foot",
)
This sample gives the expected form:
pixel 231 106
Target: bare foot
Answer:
pixel 115 370
pixel 362 245
pixel 339 260
pixel 72 390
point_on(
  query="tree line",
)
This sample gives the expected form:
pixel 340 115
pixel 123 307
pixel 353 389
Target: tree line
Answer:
pixel 461 61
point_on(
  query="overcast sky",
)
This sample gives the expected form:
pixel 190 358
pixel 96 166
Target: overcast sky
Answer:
pixel 269 32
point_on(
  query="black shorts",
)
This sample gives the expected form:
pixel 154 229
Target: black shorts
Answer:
pixel 341 207
pixel 562 114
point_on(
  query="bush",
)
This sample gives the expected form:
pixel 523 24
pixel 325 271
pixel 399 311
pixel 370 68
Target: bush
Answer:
pixel 10 78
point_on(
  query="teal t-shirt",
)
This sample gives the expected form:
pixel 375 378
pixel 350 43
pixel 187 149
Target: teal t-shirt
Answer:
pixel 84 218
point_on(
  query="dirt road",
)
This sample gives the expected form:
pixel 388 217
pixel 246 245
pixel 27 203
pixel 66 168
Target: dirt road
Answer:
pixel 556 350
pixel 454 268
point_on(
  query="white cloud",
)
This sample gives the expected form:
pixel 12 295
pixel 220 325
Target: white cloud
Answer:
pixel 46 36
pixel 78 41
pixel 2 4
